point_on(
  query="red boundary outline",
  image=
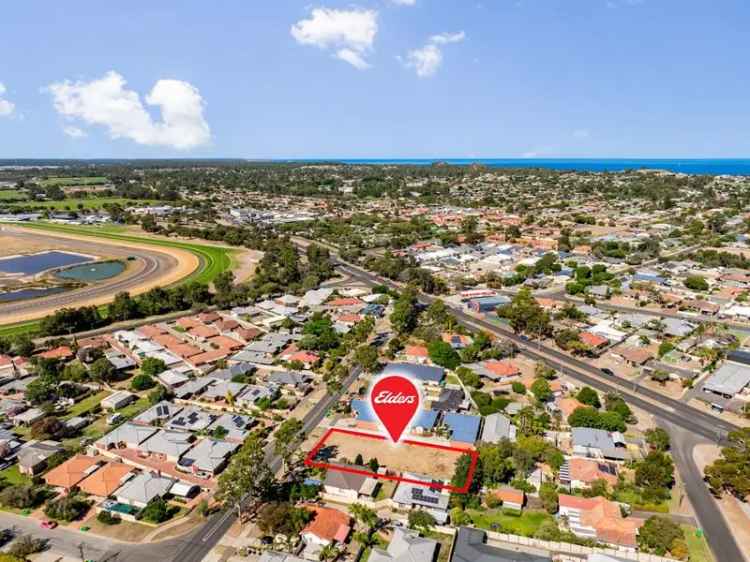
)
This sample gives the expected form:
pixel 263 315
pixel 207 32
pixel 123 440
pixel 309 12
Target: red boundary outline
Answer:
pixel 474 454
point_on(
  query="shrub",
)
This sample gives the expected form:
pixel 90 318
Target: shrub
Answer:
pixel 518 387
pixel 66 508
pixel 26 545
pixel 157 511
pixel 142 382
pixel 107 518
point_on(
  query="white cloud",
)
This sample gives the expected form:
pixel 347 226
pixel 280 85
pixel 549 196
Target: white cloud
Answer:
pixel 74 132
pixel 581 133
pixel 106 102
pixel 350 33
pixel 353 58
pixel 446 38
pixel 6 107
pixel 404 2
pixel 427 60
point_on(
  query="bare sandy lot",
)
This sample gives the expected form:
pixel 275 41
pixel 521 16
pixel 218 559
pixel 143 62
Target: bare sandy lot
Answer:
pixel 401 457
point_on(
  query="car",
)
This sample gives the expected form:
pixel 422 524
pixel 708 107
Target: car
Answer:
pixel 48 524
pixel 607 371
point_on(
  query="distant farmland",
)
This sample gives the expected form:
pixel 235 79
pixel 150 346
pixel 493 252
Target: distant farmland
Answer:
pixel 73 181
pixel 88 203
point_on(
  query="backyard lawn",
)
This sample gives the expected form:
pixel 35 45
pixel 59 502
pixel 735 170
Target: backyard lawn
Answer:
pixel 86 405
pixel 525 524
pixel 140 405
pixel 13 477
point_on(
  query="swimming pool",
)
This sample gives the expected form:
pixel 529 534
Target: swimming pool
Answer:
pixel 36 263
pixel 93 271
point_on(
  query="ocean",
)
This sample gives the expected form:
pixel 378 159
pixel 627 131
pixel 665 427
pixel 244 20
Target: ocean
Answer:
pixel 714 167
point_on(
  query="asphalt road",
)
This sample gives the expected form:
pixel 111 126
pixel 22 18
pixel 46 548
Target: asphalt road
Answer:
pixel 150 266
pixel 200 543
pixel 706 509
pixel 69 542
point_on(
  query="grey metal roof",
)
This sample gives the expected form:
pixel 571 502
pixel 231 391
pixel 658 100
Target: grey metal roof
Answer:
pixel 145 487
pixel 406 546
pixel 470 547
pixel 729 379
pixel 419 372
pixel 497 427
pixel 209 454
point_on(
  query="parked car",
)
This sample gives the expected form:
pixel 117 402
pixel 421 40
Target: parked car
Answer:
pixel 48 524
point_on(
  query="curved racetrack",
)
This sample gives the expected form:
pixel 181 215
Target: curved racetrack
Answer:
pixel 151 267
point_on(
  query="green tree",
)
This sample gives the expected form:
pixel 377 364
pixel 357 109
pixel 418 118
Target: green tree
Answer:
pixel 404 315
pixel 542 390
pixel 696 283
pixel 658 534
pixel 731 472
pixel 442 353
pixel 153 366
pixel 589 397
pixel 549 496
pixel 289 432
pixel 102 370
pixel 142 382
pixel 526 315
pixel 366 356
pixel 421 520
pixel 658 439
pixel 247 475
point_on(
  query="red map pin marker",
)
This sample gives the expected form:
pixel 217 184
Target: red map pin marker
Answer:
pixel 395 400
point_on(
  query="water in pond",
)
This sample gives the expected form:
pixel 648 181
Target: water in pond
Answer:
pixel 36 263
pixel 93 271
pixel 23 294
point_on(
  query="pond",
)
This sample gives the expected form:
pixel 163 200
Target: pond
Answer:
pixel 92 272
pixel 36 263
pixel 23 294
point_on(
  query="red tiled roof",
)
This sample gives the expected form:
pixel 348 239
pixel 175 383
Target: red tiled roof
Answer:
pixel 248 334
pixel 328 524
pixel 203 331
pixel 151 330
pixel 225 342
pixel 416 351
pixel 71 472
pixel 502 368
pixel 61 352
pixel 588 470
pixel 189 322
pixel 207 357
pixel 605 517
pixel 350 301
pixel 593 340
pixel 509 495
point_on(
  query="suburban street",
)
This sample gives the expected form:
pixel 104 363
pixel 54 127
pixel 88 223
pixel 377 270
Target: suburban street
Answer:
pixel 200 542
pixel 68 542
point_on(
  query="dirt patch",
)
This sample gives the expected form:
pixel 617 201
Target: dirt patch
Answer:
pixel 400 457
pixel 247 261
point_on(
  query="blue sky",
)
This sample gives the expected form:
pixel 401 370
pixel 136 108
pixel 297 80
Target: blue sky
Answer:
pixel 376 78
